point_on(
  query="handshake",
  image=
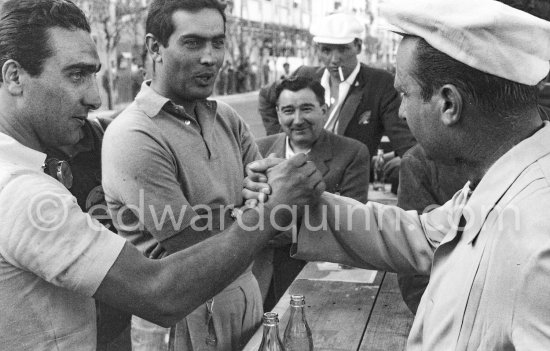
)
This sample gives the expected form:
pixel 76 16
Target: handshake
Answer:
pixel 276 183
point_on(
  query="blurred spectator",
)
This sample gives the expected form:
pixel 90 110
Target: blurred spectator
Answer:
pixel 265 71
pixel 137 73
pixel 253 76
pixel 286 68
pixel 230 79
pixel 221 83
pixel 242 76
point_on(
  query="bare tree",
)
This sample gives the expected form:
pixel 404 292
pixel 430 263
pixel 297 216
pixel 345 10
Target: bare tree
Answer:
pixel 110 20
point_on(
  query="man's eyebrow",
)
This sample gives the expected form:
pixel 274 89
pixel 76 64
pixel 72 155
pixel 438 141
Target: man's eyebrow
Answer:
pixel 286 106
pixel 86 67
pixel 198 36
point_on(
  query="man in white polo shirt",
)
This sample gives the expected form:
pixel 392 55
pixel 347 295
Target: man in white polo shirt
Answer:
pixel 54 259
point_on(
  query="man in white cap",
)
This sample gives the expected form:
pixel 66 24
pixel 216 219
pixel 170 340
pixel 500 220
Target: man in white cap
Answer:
pixel 467 72
pixel 362 101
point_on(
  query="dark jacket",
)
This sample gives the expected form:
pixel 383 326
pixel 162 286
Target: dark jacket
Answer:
pixel 343 162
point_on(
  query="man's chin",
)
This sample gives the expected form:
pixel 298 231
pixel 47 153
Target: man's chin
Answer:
pixel 203 92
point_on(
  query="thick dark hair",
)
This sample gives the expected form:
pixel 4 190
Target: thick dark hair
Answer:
pixel 159 17
pixel 494 96
pixel 299 83
pixel 23 30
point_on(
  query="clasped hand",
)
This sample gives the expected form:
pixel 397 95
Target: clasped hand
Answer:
pixel 274 181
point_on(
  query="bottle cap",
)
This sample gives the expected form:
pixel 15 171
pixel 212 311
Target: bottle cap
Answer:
pixel 271 318
pixel 297 300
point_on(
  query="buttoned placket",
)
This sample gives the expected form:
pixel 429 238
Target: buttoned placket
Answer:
pixel 189 121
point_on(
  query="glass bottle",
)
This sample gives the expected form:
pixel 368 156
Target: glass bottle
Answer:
pixel 378 172
pixel 297 333
pixel 271 340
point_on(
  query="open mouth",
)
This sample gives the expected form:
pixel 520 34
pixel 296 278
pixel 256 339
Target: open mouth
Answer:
pixel 205 78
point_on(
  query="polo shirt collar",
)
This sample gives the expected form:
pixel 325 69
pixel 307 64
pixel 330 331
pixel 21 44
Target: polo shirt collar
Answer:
pixel 149 101
pixel 14 152
pixel 501 176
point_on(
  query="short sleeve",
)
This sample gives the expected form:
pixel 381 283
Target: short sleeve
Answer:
pixel 45 232
pixel 140 181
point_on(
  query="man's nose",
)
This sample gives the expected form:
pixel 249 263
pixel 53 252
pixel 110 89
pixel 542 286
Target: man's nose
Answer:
pixel 401 113
pixel 298 118
pixel 91 98
pixel 334 56
pixel 207 57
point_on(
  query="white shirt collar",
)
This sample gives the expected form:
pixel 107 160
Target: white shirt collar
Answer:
pixel 325 82
pixel 12 151
pixel 343 90
pixel 289 153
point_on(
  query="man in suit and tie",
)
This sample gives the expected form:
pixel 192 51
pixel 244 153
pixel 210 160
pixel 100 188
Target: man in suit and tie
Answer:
pixel 343 162
pixel 362 103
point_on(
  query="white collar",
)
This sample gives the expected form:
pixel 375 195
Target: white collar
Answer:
pixel 12 151
pixel 325 82
pixel 289 153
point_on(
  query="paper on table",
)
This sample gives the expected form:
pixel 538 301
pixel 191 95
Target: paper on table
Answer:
pixel 332 272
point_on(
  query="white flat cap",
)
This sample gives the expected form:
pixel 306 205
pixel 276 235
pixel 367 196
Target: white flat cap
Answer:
pixel 484 34
pixel 337 28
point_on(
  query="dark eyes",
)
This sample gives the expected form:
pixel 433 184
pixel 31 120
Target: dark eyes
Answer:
pixel 291 111
pixel 80 76
pixel 194 44
pixel 76 76
pixel 218 43
pixel 288 111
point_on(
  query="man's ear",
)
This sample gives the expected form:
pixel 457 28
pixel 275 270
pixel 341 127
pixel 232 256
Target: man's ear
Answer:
pixel 451 104
pixel 358 45
pixel 153 47
pixel 11 77
pixel 324 109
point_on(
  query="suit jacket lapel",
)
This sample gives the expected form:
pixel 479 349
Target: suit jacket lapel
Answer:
pixel 278 146
pixel 321 152
pixel 355 94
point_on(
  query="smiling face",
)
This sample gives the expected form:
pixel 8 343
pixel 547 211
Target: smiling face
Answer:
pixel 57 101
pixel 339 55
pixel 193 55
pixel 301 117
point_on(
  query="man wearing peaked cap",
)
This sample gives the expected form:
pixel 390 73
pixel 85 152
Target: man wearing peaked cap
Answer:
pixel 467 72
pixel 425 183
pixel 362 101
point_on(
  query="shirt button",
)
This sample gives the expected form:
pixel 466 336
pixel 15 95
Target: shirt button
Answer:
pixel 187 122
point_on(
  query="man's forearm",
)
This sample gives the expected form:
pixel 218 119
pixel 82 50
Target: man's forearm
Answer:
pixel 194 275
